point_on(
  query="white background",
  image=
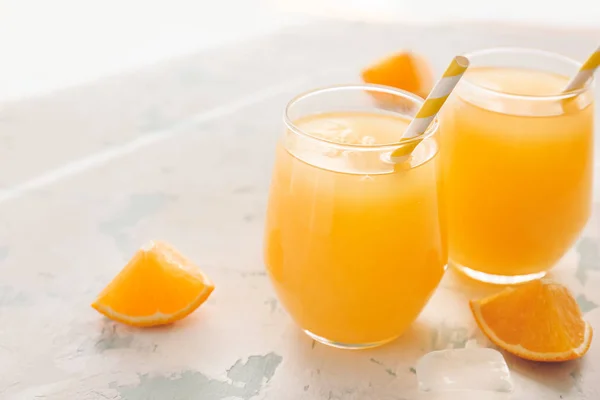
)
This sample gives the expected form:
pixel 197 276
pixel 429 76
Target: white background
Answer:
pixel 49 44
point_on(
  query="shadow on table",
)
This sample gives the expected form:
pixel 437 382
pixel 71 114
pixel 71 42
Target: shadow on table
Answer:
pixel 372 373
pixel 561 377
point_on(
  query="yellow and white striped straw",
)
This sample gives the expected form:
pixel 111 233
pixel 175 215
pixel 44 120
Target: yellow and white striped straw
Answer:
pixel 431 107
pixel 585 72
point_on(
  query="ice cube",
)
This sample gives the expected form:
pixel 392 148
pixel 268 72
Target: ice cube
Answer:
pixel 473 369
pixel 346 137
pixel 368 140
pixel 324 128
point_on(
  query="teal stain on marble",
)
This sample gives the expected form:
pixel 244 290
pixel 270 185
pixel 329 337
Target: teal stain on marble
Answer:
pixel 167 170
pixel 247 379
pixel 3 253
pixel 110 339
pixel 253 273
pixel 412 370
pixel 189 385
pixel 575 375
pixel 116 342
pixel 389 371
pixel 252 372
pixel 195 76
pixel 272 303
pixel 445 337
pixel 244 189
pixel 153 120
pixel 584 304
pixel 11 297
pixel 589 258
pixel 140 206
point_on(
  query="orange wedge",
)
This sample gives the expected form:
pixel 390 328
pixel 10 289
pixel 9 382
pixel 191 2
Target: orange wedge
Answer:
pixel 538 321
pixel 158 286
pixel 403 70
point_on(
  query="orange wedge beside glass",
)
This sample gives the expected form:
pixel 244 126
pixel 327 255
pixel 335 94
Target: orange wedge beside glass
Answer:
pixel 538 321
pixel 402 70
pixel 158 286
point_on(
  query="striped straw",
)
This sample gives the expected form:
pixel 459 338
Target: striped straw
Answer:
pixel 585 72
pixel 431 107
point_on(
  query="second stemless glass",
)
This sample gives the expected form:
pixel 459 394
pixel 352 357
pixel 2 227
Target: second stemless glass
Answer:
pixel 518 158
pixel 354 245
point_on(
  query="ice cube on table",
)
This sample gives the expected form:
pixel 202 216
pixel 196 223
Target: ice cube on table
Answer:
pixel 474 369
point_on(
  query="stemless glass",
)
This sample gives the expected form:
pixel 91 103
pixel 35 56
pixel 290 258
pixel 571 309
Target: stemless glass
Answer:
pixel 354 244
pixel 517 159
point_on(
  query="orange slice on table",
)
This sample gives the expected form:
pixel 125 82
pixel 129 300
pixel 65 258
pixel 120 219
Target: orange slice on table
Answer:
pixel 158 286
pixel 403 70
pixel 538 321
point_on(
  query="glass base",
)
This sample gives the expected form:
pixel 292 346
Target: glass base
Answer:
pixel 497 279
pixel 349 346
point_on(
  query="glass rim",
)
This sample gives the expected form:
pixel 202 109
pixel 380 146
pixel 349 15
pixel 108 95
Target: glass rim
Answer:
pixel 431 130
pixel 530 51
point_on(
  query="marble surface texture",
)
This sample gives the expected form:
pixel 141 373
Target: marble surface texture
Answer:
pixel 182 152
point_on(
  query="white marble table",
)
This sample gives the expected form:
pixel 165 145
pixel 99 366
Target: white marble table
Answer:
pixel 182 152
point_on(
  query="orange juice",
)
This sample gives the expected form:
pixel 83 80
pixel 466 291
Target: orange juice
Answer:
pixel 354 248
pixel 517 171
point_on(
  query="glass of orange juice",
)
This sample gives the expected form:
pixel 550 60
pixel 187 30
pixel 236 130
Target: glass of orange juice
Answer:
pixel 354 245
pixel 517 158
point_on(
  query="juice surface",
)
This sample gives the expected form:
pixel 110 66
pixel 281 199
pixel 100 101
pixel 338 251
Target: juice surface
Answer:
pixel 517 172
pixel 354 257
